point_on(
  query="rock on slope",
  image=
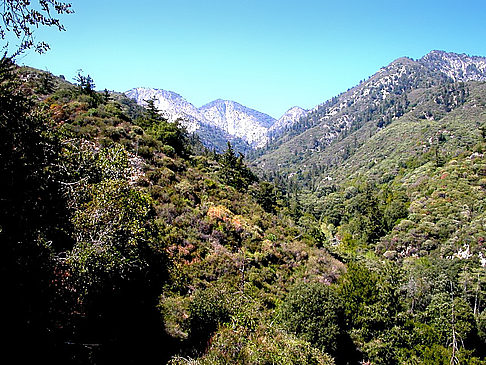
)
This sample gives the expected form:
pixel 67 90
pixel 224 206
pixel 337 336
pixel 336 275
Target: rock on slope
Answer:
pixel 459 67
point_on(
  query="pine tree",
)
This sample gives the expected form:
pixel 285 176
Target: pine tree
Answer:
pixel 233 170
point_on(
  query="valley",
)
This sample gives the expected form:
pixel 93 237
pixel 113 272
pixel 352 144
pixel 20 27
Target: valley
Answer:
pixel 134 230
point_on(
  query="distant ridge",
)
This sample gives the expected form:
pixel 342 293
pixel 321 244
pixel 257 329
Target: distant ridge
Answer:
pixel 227 118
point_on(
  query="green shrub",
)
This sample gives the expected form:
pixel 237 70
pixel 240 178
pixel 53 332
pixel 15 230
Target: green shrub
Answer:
pixel 208 310
pixel 168 150
pixel 315 313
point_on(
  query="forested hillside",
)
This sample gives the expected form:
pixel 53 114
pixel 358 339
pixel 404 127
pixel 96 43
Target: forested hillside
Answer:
pixel 312 151
pixel 126 241
pixel 122 245
pixel 392 173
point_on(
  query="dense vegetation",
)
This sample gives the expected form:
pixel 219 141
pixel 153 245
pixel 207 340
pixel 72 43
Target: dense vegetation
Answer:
pixel 125 241
pixel 121 245
pixel 390 178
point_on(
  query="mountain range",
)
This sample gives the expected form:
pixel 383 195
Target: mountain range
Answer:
pixel 227 119
pixel 222 120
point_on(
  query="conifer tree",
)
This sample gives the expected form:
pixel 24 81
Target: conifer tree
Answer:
pixel 233 170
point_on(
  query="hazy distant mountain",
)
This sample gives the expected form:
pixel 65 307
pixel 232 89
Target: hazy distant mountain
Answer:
pixel 290 117
pixel 228 119
pixel 172 106
pixel 222 120
pixel 239 121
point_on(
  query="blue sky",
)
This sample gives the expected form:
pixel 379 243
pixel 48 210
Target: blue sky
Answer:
pixel 268 55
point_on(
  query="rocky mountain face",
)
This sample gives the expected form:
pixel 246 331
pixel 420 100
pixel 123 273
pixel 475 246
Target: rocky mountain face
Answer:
pixel 171 105
pixel 290 117
pixel 218 120
pixel 238 120
pixel 459 67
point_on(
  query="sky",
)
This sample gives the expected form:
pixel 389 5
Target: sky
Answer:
pixel 265 54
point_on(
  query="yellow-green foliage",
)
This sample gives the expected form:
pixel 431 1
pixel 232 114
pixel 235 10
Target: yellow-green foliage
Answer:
pixel 171 243
pixel 265 345
pixel 149 254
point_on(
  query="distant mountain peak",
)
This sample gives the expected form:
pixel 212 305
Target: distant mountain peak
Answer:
pixel 435 52
pixel 403 61
pixel 441 53
pixel 294 108
pixel 151 91
pixel 172 105
pixel 231 118
pixel 290 117
pixel 239 120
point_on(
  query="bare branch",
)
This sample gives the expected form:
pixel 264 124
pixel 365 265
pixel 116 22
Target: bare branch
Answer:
pixel 21 17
